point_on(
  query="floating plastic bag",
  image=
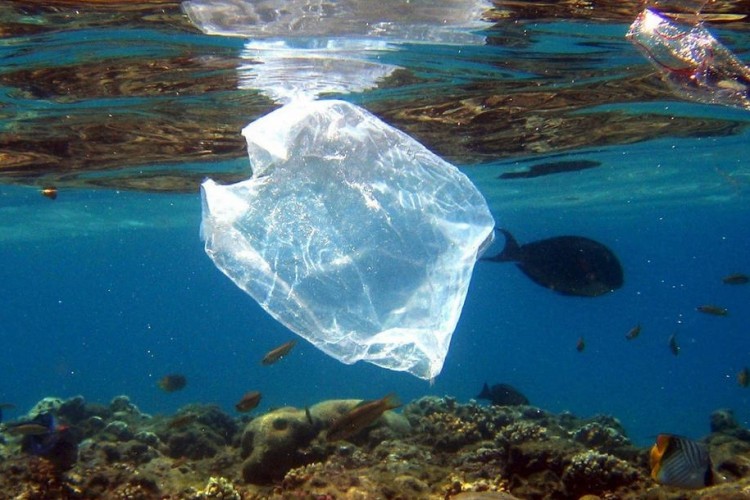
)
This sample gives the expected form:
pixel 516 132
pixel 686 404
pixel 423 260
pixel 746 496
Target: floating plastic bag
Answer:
pixel 351 234
pixel 285 71
pixel 444 21
pixel 694 63
pixel 308 48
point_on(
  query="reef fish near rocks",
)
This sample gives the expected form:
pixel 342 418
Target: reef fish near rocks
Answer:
pixel 249 401
pixel 682 462
pixel 502 395
pixel 569 265
pixel 360 417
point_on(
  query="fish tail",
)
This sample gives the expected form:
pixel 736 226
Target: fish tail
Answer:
pixel 485 394
pixel 391 401
pixel 510 252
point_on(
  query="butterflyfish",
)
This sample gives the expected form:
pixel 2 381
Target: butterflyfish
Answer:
pixel 682 462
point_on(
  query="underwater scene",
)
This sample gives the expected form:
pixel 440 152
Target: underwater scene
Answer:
pixel 391 250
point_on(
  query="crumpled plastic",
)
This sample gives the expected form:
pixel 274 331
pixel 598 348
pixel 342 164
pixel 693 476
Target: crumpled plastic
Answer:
pixel 286 70
pixel 445 21
pixel 351 234
pixel 694 63
pixel 309 48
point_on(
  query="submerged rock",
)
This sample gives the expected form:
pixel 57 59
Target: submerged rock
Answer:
pixel 272 444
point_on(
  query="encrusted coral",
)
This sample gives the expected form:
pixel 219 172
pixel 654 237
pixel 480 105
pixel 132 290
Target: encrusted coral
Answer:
pixel 596 435
pixel 593 472
pixel 444 450
pixel 218 488
pixel 449 432
pixel 520 432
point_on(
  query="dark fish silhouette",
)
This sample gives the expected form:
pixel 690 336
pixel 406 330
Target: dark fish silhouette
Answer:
pixel 171 383
pixel 580 345
pixel 712 309
pixel 556 167
pixel 502 395
pixel 673 345
pixel 736 279
pixel 633 332
pixel 743 377
pixel 569 265
pixel 249 401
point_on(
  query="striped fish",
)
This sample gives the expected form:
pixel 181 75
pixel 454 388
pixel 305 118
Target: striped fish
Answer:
pixel 682 462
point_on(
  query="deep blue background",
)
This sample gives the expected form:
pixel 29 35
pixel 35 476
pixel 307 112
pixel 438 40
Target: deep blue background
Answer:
pixel 109 310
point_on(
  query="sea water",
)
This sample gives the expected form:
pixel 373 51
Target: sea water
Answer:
pixel 106 290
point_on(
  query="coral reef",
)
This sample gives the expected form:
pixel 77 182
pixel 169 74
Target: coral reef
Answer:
pixel 435 449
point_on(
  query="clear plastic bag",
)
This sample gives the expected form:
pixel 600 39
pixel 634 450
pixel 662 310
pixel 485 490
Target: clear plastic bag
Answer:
pixel 351 234
pixel 446 21
pixel 694 63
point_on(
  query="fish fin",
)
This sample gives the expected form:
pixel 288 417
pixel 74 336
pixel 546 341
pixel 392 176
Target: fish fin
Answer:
pixel 511 251
pixel 485 393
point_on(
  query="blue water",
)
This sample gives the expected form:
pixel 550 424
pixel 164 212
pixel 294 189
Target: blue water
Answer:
pixel 106 291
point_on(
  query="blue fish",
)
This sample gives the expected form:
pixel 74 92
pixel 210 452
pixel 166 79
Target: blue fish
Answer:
pixel 41 442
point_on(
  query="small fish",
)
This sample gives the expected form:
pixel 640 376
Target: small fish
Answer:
pixel 360 417
pixel 712 309
pixel 182 421
pixel 673 346
pixel 276 354
pixel 27 429
pixel 556 167
pixel 49 191
pixel 736 279
pixel 569 265
pixel 502 395
pixel 633 332
pixel 308 415
pixel 743 377
pixel 249 401
pixel 580 345
pixel 172 383
pixel 179 462
pixel 40 435
pixel 682 462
